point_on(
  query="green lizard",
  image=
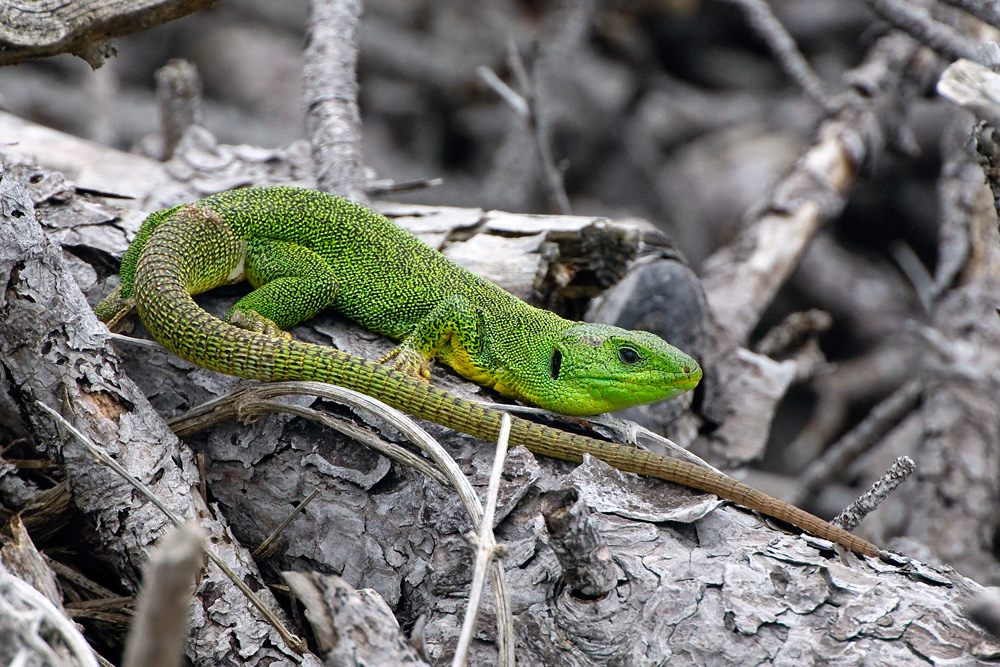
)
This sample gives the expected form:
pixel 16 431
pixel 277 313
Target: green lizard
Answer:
pixel 304 251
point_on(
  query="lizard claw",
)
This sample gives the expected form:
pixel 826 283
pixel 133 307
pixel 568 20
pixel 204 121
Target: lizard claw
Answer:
pixel 254 321
pixel 409 361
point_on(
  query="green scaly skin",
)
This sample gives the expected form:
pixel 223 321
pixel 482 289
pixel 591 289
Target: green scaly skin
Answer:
pixel 305 251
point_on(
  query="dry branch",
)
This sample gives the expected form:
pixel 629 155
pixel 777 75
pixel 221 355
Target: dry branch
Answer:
pixel 588 568
pixel 159 631
pixel 952 508
pixel 178 96
pixel 353 628
pixel 31 29
pixel 742 278
pixel 918 22
pixel 760 16
pixel 333 121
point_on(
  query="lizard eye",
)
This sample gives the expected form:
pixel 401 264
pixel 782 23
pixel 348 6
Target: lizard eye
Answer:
pixel 628 356
pixel 556 364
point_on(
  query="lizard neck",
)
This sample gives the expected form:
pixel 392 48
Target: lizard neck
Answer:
pixel 517 360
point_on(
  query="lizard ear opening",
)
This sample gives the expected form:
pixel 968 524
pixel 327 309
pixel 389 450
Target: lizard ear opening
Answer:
pixel 556 363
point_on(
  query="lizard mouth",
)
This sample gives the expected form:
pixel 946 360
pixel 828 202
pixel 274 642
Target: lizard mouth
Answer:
pixel 688 383
pixel 679 382
pixel 605 394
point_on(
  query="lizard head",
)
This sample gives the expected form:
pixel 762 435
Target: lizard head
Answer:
pixel 599 368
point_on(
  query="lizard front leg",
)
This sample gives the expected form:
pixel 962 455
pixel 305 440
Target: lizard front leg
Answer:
pixel 293 284
pixel 452 332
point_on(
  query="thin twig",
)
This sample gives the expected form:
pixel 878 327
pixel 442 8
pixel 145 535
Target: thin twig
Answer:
pixel 794 331
pixel 920 278
pixel 506 93
pixel 293 641
pixel 265 547
pixel 77 579
pixel 540 132
pixel 131 340
pixel 918 23
pixel 201 464
pixel 949 352
pixel 879 491
pixel 389 186
pixel 760 17
pixel 526 106
pixel 855 442
pixel 486 547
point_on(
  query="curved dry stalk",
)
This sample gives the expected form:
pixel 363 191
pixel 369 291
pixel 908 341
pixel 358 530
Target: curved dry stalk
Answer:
pixel 242 402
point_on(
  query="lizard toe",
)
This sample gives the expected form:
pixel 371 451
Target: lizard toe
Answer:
pixel 409 361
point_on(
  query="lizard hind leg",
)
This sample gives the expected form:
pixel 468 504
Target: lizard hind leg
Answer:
pixel 451 332
pixel 113 308
pixel 293 284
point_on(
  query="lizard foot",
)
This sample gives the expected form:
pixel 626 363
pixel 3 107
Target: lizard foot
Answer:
pixel 254 321
pixel 407 360
pixel 113 308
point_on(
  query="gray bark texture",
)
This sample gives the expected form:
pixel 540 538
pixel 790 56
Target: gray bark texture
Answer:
pixel 371 555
